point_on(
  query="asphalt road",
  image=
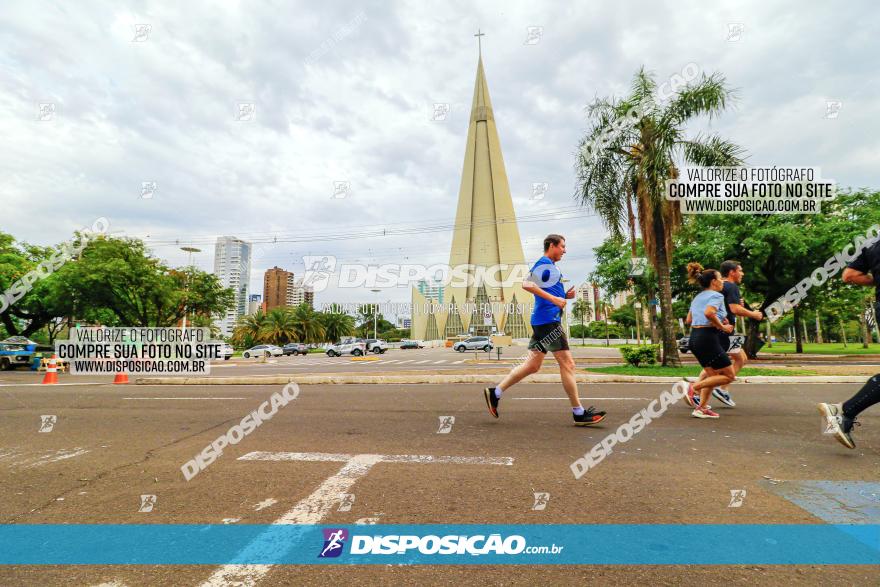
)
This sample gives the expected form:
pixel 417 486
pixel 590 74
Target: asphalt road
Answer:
pixel 111 444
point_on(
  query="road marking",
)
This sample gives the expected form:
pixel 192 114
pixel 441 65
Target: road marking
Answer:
pixel 835 502
pixel 406 361
pixel 55 384
pixel 316 506
pixel 440 361
pixel 265 503
pixel 420 362
pixel 46 458
pixel 344 458
pixel 458 362
pixel 585 398
pixel 185 397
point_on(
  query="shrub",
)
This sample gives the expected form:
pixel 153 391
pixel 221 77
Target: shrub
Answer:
pixel 636 355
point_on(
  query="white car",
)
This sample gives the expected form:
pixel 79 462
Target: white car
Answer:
pixel 263 350
pixel 226 351
pixel 473 343
pixel 376 345
pixel 355 349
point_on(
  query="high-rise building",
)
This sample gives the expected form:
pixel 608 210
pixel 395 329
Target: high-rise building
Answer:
pixel 281 289
pixel 232 266
pixel 300 294
pixel 485 235
pixel 255 304
pixel 585 292
pixel 277 288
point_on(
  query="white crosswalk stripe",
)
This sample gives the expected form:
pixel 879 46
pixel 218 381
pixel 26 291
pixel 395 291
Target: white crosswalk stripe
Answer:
pixel 420 362
pixel 440 361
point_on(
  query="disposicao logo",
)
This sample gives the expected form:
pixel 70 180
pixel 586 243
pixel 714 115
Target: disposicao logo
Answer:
pixel 334 541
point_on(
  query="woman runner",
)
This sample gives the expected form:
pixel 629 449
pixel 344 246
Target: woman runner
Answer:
pixel 707 319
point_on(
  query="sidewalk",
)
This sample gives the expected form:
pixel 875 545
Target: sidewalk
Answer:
pixel 487 378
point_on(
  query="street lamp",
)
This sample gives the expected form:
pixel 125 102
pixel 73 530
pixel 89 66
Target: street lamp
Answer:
pixel 375 311
pixel 189 250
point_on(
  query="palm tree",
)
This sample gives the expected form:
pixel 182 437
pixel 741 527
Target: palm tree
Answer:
pixel 641 147
pixel 336 325
pixel 308 324
pixel 279 327
pixel 248 329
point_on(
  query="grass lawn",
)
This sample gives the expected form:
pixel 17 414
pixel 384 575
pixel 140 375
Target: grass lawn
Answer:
pixel 785 348
pixel 853 348
pixel 660 371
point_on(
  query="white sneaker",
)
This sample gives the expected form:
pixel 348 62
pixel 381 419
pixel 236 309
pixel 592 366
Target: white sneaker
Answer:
pixel 723 397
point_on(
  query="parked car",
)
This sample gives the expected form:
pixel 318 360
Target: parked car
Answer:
pixel 473 343
pixel 683 345
pixel 376 345
pixel 295 348
pixel 226 351
pixel 263 350
pixel 14 355
pixel 355 349
pixel 411 344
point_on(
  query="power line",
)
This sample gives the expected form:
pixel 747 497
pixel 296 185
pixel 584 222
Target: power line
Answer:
pixel 380 230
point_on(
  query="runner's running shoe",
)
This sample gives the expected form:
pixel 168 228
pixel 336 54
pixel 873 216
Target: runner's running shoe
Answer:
pixel 837 423
pixel 693 396
pixel 589 417
pixel 704 413
pixel 491 400
pixel 724 397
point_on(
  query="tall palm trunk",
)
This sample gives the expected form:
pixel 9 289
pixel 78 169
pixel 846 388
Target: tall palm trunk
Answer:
pixel 667 326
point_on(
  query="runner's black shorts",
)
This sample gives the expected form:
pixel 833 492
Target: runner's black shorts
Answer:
pixel 709 347
pixel 548 337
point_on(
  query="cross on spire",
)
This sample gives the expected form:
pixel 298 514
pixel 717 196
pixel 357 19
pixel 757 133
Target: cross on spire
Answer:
pixel 479 41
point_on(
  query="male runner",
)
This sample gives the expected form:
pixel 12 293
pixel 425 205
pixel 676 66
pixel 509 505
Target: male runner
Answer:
pixel 840 418
pixel 545 282
pixel 731 275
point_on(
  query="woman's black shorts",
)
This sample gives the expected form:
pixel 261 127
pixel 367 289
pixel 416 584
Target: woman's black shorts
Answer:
pixel 707 346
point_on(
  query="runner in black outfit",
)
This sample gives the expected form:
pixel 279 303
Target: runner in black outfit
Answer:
pixel 840 418
pixel 732 274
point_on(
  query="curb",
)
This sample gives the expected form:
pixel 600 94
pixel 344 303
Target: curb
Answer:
pixel 337 379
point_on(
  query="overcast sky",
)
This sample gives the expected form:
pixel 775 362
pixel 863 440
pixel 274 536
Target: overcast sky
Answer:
pixel 346 92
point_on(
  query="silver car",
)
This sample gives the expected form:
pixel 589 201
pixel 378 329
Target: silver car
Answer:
pixel 355 349
pixel 263 350
pixel 473 343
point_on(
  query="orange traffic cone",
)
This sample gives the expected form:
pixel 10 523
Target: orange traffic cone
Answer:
pixel 51 375
pixel 120 378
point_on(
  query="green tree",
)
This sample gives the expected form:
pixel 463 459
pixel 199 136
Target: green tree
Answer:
pixel 35 305
pixel 776 252
pixel 248 329
pixel 336 325
pixel 278 327
pixel 119 275
pixel 628 153
pixel 309 328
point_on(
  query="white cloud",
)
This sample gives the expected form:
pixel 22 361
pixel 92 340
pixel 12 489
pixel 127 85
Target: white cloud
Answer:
pixel 163 109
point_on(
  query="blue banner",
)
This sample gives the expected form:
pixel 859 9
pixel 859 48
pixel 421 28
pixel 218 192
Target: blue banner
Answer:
pixel 611 544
